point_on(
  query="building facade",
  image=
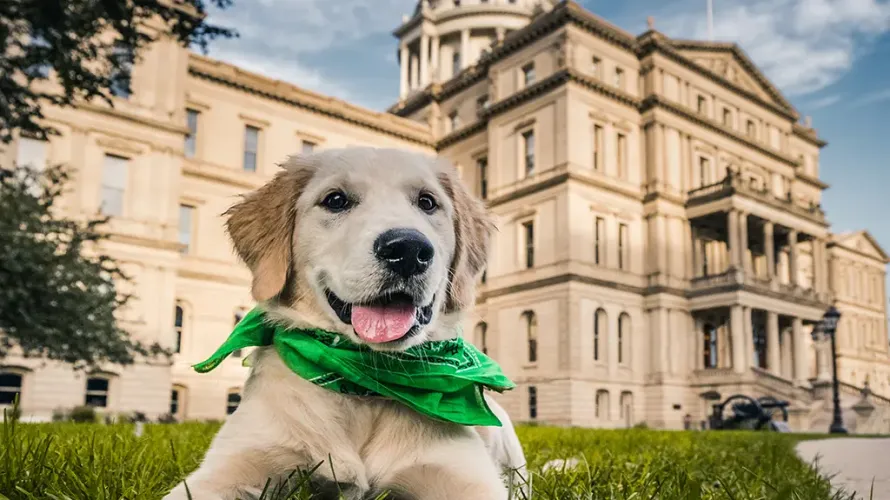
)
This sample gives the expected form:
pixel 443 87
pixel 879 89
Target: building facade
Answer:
pixel 658 204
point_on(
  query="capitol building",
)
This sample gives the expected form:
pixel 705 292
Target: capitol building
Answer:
pixel 658 201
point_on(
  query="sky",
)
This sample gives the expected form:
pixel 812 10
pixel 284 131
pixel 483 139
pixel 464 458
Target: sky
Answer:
pixel 830 58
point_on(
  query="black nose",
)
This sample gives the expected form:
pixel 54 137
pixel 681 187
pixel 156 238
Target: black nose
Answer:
pixel 405 252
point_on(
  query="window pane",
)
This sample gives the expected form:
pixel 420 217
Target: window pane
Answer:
pixel 192 138
pixel 482 167
pixel 10 387
pixel 114 183
pixel 31 153
pixel 308 147
pixel 121 76
pixel 97 384
pixel 251 143
pixel 186 214
pixel 112 201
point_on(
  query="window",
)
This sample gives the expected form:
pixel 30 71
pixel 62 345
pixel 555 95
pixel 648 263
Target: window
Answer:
pixel 595 66
pixel 599 243
pixel 710 346
pixel 121 74
pixel 528 74
pixel 623 337
pixel 10 387
pixel 174 401
pixel 619 78
pixel 532 402
pixel 191 140
pixel 528 231
pixel 232 401
pixel 251 146
pixel 31 153
pixel 727 117
pixel 599 332
pixel 704 258
pixel 484 276
pixel 239 315
pixel 622 246
pixel 97 392
pixel 598 153
pixel 178 319
pixel 482 173
pixel 702 106
pixel 704 171
pixel 528 147
pixel 622 155
pixel 455 63
pixel 482 103
pixel 453 121
pixel 531 335
pixel 38 45
pixel 759 346
pixel 186 226
pixel 601 410
pixel 482 337
pixel 457 3
pixel 751 129
pixel 308 147
pixel 114 183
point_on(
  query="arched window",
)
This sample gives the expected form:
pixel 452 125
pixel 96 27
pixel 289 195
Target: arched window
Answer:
pixel 177 327
pixel 233 400
pixel 602 405
pixel 531 334
pixel 599 332
pixel 97 392
pixel 482 336
pixel 623 338
pixel 10 387
pixel 710 346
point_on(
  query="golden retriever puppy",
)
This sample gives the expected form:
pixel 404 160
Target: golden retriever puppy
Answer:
pixel 382 247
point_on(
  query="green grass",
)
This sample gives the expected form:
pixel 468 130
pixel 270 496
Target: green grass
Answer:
pixel 91 461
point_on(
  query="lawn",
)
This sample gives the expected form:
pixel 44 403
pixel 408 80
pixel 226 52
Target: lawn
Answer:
pixel 105 462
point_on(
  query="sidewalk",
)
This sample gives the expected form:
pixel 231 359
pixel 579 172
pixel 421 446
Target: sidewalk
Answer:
pixel 853 463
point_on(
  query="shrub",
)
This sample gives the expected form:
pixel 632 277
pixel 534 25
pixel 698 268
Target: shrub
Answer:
pixel 82 414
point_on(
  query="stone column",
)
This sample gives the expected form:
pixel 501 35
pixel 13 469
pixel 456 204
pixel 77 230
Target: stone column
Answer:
pixel 501 31
pixel 737 334
pixel 743 243
pixel 800 353
pixel 787 369
pixel 793 259
pixel 749 337
pixel 734 233
pixel 769 244
pixel 424 60
pixel 660 171
pixel 823 360
pixel 415 72
pixel 434 61
pixel 405 64
pixel 698 336
pixel 464 49
pixel 773 355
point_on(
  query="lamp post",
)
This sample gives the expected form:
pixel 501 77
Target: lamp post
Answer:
pixel 828 327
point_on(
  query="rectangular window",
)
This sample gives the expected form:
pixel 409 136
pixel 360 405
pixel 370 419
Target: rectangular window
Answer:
pixel 308 147
pixel 751 129
pixel 191 140
pixel 251 147
pixel 598 153
pixel 528 148
pixel 622 246
pixel 528 231
pixel 599 245
pixel 39 70
pixel 727 117
pixel 619 78
pixel 533 402
pixel 482 103
pixel 186 226
pixel 97 392
pixel 622 155
pixel 482 173
pixel 702 106
pixel 455 63
pixel 31 153
pixel 528 74
pixel 453 121
pixel 704 171
pixel 114 185
pixel 122 73
pixel 595 66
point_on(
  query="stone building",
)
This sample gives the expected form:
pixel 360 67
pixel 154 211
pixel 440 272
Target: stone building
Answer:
pixel 658 203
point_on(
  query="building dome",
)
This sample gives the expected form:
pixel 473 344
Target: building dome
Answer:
pixel 443 37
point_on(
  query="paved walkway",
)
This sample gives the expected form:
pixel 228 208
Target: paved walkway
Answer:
pixel 852 464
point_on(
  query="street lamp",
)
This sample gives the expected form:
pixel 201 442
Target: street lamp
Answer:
pixel 828 327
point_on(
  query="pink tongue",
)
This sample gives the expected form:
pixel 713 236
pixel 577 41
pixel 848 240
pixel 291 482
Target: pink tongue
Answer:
pixel 382 324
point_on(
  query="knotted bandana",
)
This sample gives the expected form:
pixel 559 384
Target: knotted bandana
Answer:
pixel 441 379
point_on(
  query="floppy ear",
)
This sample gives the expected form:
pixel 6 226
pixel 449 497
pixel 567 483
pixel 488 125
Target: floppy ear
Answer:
pixel 472 230
pixel 262 228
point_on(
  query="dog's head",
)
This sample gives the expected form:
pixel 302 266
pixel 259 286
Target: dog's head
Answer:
pixel 381 245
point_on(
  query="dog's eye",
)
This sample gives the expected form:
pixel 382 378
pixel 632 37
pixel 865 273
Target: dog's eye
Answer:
pixel 427 203
pixel 336 201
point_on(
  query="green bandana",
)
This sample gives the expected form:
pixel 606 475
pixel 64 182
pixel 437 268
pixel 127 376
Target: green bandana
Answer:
pixel 441 379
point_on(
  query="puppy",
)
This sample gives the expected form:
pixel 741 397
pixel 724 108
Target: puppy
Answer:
pixel 332 233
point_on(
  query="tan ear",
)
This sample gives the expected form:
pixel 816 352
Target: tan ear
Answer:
pixel 472 230
pixel 262 228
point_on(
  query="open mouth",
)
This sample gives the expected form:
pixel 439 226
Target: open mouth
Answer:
pixel 389 317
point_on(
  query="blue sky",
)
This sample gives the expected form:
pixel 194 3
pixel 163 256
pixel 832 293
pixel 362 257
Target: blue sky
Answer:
pixel 831 58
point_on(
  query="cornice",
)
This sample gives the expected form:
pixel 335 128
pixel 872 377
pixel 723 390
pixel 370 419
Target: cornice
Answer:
pixel 813 181
pixel 809 135
pixel 173 246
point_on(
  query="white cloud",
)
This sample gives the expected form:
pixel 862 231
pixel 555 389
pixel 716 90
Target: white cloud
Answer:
pixel 873 97
pixel 802 45
pixel 277 35
pixel 824 102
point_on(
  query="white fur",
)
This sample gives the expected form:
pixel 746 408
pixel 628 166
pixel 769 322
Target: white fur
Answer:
pixel 285 422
